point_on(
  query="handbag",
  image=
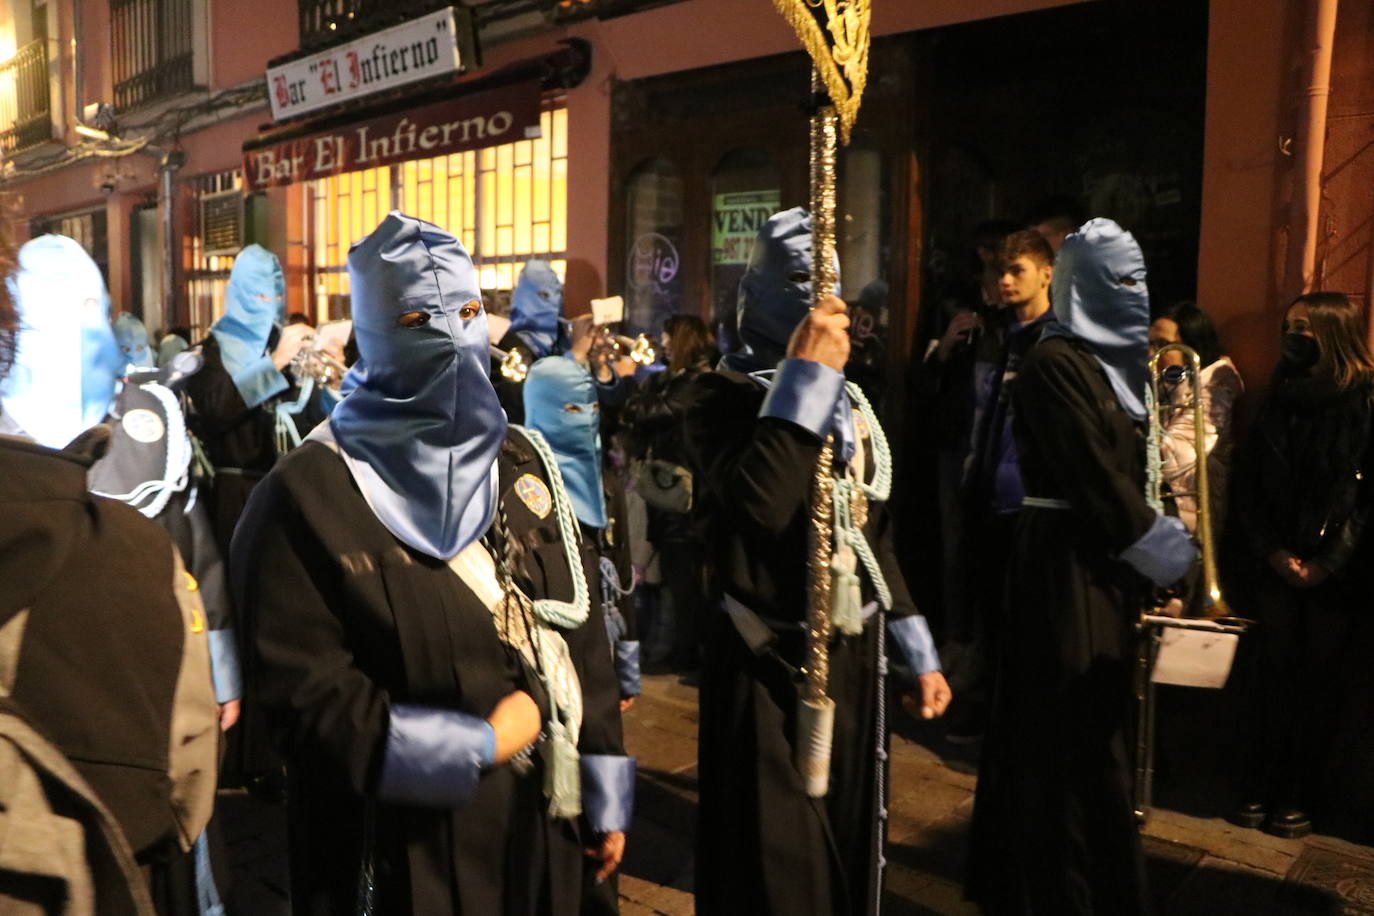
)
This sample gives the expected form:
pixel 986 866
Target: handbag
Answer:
pixel 664 485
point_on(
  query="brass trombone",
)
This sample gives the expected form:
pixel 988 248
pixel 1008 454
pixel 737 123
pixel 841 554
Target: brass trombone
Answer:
pixel 1204 646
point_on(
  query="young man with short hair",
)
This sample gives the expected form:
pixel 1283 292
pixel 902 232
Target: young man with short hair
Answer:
pixel 991 489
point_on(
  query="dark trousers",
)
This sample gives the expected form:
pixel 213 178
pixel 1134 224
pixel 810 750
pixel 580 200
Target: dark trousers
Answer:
pixel 683 564
pixel 1297 691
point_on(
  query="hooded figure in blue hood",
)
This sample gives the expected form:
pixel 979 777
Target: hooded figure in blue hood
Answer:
pixel 67 363
pixel 1100 297
pixel 254 301
pixel 772 841
pixel 536 308
pixel 420 425
pixel 775 291
pixel 1054 828
pixel 561 402
pixel 414 579
pixel 132 338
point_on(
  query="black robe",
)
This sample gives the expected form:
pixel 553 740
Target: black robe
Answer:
pixel 1053 827
pixel 104 644
pixel 130 462
pixel 238 440
pixel 345 620
pixel 763 846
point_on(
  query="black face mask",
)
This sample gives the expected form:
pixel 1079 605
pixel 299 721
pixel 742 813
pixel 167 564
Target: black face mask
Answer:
pixel 1299 351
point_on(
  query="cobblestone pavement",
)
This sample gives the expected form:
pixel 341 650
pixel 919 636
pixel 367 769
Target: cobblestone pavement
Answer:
pixel 1198 865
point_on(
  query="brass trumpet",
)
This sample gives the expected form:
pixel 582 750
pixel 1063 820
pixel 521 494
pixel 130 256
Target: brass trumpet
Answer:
pixel 614 346
pixel 512 363
pixel 312 361
pixel 1217 631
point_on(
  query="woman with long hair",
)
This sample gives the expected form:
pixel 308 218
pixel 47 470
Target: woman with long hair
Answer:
pixel 1303 500
pixel 687 343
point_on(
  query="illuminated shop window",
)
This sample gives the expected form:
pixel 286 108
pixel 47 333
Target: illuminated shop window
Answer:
pixel 342 209
pixel 506 204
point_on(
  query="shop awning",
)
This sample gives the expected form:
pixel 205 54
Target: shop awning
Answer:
pixel 467 121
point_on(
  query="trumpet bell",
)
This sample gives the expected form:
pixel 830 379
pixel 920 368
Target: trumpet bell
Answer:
pixel 511 363
pixel 643 351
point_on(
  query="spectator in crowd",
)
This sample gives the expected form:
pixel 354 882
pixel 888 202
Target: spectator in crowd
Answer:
pixel 1221 385
pixel 990 489
pixel 677 529
pixel 944 384
pixel 1302 500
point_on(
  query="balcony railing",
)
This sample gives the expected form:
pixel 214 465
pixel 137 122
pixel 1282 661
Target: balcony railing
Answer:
pixel 25 119
pixel 150 49
pixel 330 22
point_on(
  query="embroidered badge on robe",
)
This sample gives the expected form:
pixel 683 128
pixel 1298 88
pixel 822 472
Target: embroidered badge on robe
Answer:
pixel 144 426
pixel 535 495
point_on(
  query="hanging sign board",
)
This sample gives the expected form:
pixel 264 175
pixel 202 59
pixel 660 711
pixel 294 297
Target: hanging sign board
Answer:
pixel 735 220
pixel 429 46
pixel 487 118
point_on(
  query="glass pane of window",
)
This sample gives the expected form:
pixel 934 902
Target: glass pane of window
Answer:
pixel 506 204
pixel 861 223
pixel 653 264
pixel 745 191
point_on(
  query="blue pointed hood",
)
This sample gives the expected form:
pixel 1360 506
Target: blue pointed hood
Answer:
pixel 774 296
pixel 67 363
pixel 420 425
pixel 536 305
pixel 1101 298
pixel 254 300
pixel 132 338
pixel 775 291
pixel 561 402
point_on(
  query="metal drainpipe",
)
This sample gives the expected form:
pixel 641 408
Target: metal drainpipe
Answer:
pixel 1302 263
pixel 77 75
pixel 170 163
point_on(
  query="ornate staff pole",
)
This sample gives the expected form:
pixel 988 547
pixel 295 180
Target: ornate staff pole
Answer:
pixel 836 35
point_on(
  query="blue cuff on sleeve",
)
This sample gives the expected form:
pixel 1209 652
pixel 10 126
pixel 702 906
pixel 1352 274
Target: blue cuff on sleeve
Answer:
pixel 433 756
pixel 608 791
pixel 804 393
pixel 627 666
pixel 258 381
pixel 1164 553
pixel 224 666
pixel 912 634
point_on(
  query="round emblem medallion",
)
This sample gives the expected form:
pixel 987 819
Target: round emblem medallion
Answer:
pixel 534 494
pixel 144 425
